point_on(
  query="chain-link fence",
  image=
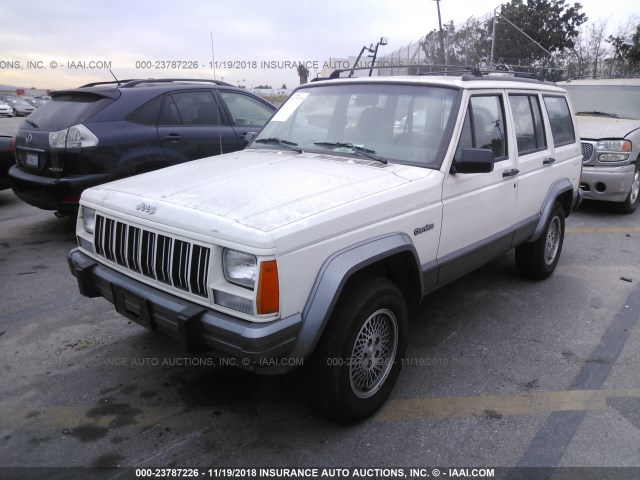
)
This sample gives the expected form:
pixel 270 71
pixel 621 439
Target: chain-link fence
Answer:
pixel 493 42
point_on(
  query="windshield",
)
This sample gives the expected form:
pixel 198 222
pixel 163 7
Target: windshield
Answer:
pixel 619 100
pixel 385 122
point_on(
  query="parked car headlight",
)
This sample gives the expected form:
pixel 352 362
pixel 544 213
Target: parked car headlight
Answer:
pixel 613 150
pixel 89 219
pixel 76 136
pixel 239 268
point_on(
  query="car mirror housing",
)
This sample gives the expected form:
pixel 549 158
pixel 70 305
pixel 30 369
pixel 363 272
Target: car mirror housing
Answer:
pixel 474 160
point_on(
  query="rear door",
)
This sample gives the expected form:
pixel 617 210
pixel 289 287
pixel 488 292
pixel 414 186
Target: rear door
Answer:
pixel 192 125
pixel 534 156
pixel 566 151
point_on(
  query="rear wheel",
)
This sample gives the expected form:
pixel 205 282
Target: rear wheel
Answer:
pixel 537 260
pixel 357 361
pixel 631 202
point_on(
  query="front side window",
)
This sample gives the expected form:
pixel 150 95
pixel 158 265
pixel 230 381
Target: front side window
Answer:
pixel 527 120
pixel 484 126
pixel 396 122
pixel 246 111
pixel 560 120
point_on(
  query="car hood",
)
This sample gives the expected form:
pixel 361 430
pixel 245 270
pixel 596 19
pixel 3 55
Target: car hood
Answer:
pixel 260 190
pixel 593 127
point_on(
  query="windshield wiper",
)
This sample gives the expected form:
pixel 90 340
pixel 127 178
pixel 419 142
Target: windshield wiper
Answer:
pixel 286 143
pixel 31 123
pixel 604 114
pixel 366 152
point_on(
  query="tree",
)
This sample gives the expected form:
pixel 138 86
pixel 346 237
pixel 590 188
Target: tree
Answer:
pixel 303 72
pixel 634 51
pixel 626 47
pixel 552 24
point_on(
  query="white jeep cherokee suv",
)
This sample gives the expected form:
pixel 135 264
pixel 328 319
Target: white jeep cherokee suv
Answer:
pixel 359 197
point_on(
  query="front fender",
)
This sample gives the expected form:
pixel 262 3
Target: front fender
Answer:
pixel 332 278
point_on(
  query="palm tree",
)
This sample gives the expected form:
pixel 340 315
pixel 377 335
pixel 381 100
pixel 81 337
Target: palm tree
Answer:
pixel 303 72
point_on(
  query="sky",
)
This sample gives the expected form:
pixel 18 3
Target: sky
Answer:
pixel 54 44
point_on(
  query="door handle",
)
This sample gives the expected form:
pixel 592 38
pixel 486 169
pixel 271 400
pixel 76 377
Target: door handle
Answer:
pixel 173 137
pixel 510 173
pixel 548 161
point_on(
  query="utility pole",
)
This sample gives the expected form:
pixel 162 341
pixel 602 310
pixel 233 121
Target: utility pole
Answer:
pixel 441 34
pixel 493 37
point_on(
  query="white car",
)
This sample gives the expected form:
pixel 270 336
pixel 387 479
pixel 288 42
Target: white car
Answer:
pixel 306 248
pixel 20 107
pixel 6 110
pixel 608 115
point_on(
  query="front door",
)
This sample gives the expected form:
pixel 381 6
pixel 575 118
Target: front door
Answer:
pixel 479 208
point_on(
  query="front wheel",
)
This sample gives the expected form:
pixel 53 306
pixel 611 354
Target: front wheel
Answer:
pixel 631 202
pixel 358 359
pixel 537 260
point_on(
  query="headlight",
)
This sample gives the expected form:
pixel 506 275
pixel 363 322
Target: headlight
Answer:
pixel 613 150
pixel 239 268
pixel 76 136
pixel 89 219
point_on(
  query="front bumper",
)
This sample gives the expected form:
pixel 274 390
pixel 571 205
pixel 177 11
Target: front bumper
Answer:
pixel 611 184
pixel 51 193
pixel 253 345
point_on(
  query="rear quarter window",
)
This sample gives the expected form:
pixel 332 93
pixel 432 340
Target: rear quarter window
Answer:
pixel 560 119
pixel 64 111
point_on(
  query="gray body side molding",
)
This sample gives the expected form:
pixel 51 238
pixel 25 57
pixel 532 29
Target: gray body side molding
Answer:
pixel 333 276
pixel 555 190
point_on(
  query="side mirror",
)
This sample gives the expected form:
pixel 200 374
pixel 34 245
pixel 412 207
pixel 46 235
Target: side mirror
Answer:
pixel 248 137
pixel 474 160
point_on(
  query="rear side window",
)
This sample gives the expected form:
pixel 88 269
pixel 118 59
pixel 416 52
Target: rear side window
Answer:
pixel 66 110
pixel 147 114
pixel 560 120
pixel 190 108
pixel 527 120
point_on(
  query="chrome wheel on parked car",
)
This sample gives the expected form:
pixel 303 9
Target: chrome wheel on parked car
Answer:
pixel 552 241
pixel 538 259
pixel 373 353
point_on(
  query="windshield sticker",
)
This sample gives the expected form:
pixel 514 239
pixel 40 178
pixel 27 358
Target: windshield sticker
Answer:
pixel 289 107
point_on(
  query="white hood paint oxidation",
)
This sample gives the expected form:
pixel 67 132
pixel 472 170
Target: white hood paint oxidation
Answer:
pixel 596 127
pixel 257 189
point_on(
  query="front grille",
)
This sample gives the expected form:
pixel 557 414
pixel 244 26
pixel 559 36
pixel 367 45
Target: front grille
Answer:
pixel 587 151
pixel 168 260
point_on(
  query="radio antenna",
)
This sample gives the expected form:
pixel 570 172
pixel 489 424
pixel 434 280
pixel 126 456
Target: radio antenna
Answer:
pixel 118 81
pixel 213 58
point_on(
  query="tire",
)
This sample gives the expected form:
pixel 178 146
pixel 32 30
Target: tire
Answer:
pixel 358 359
pixel 537 260
pixel 631 202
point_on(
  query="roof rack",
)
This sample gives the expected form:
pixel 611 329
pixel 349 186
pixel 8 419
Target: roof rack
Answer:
pixel 109 82
pixel 417 70
pixel 466 72
pixel 129 83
